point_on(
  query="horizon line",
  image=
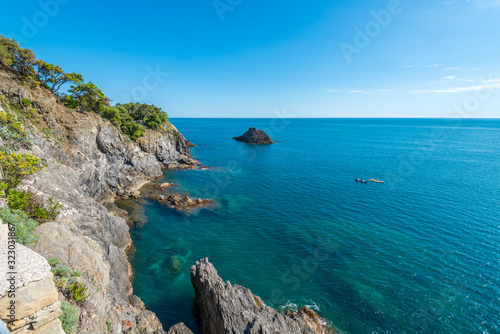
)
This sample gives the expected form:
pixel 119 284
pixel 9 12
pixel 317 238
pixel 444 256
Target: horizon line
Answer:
pixel 443 118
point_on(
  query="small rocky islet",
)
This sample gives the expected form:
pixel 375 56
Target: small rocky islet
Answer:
pixel 254 136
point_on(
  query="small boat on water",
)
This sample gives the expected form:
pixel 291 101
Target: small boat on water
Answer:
pixel 360 180
pixel 377 181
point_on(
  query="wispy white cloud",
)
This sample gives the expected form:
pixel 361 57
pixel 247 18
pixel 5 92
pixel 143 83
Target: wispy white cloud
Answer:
pixel 434 65
pixel 408 66
pixel 451 68
pixel 486 3
pixel 474 69
pixel 468 80
pixel 457 89
pixel 360 91
pixel 450 77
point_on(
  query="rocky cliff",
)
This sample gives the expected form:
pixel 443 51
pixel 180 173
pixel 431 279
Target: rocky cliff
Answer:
pixel 225 308
pixel 88 163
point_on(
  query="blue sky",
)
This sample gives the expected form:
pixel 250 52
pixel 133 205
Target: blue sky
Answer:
pixel 241 58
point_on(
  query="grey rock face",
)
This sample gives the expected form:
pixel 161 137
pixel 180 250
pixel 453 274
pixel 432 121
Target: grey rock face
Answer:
pixel 225 308
pixel 168 146
pixel 254 136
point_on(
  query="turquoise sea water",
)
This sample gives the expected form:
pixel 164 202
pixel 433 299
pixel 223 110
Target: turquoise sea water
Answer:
pixel 418 254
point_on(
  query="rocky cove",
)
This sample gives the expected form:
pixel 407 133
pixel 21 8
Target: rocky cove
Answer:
pixel 89 164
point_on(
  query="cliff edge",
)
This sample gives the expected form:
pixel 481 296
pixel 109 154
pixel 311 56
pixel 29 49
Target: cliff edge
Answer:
pixel 89 162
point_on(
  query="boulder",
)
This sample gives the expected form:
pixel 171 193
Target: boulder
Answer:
pixel 30 287
pixel 180 328
pixel 254 136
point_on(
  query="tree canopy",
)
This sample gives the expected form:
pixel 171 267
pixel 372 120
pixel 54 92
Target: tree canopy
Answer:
pixel 130 118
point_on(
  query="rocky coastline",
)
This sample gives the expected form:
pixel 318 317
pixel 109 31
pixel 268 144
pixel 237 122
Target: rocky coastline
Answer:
pixel 89 165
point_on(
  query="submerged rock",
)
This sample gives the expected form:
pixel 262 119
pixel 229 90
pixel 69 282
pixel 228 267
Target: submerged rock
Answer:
pixel 254 136
pixel 182 203
pixel 225 308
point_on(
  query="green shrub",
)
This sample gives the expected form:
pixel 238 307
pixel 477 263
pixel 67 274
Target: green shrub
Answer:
pixel 61 282
pixel 19 200
pixel 13 141
pixel 53 261
pixel 76 273
pixel 26 102
pixel 8 120
pixel 61 271
pixel 32 205
pixel 69 318
pixel 3 188
pixel 109 325
pixel 53 208
pixel 38 212
pixel 16 167
pixel 63 275
pixel 77 292
pixel 69 102
pixel 24 226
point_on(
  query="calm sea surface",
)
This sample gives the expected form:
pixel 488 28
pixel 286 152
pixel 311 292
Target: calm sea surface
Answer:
pixel 418 254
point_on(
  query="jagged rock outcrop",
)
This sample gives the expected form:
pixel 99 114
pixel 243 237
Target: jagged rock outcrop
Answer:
pixel 36 308
pixel 180 328
pixel 254 136
pixel 169 147
pixel 225 308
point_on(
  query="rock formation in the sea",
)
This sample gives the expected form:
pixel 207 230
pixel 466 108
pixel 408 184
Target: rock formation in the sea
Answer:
pixel 254 136
pixel 182 203
pixel 225 308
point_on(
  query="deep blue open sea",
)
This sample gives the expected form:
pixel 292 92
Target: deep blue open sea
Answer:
pixel 418 254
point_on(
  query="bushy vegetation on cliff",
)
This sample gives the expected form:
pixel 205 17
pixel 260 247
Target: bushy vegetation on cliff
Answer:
pixel 14 168
pixel 131 119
